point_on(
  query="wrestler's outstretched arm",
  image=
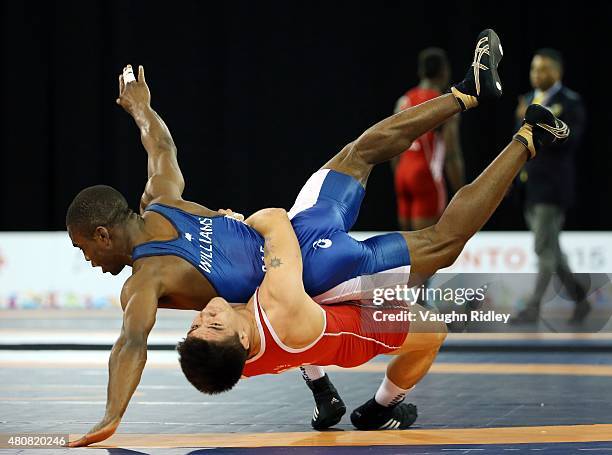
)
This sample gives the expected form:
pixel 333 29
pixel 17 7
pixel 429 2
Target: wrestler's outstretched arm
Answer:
pixel 164 174
pixel 129 354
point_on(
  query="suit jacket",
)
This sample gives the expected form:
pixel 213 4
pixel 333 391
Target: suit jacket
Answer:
pixel 551 175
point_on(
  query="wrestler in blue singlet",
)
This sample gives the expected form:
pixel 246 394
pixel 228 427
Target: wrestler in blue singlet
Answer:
pixel 230 254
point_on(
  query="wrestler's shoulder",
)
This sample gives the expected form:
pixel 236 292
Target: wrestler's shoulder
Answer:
pixel 154 272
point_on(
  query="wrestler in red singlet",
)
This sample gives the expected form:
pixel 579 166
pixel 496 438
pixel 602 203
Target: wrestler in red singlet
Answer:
pixel 419 177
pixel 350 338
pixel 419 172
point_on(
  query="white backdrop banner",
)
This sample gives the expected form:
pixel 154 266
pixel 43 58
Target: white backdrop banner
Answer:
pixel 44 270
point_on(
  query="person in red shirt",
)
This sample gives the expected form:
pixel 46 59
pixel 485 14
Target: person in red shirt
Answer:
pixel 419 172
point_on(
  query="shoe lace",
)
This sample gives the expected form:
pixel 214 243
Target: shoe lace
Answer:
pixel 478 54
pixel 560 132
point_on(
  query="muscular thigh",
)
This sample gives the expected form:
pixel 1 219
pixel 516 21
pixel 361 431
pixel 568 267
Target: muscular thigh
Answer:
pixel 334 257
pixel 330 259
pixel 328 200
pixel 423 333
pixel 352 269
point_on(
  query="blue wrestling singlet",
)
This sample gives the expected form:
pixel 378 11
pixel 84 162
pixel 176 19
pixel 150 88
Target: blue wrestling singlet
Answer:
pixel 226 251
pixel 336 266
pixel 230 254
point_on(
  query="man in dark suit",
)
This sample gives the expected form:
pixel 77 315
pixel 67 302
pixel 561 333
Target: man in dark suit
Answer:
pixel 549 183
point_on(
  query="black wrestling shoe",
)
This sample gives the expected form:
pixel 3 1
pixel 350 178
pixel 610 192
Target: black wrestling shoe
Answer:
pixel 540 129
pixel 329 407
pixel 482 81
pixel 373 416
pixel 581 311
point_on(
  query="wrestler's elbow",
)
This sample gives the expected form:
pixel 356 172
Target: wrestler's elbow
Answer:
pixel 265 220
pixel 134 335
pixel 128 348
pixel 268 213
pixel 129 342
pixel 136 338
pixel 275 213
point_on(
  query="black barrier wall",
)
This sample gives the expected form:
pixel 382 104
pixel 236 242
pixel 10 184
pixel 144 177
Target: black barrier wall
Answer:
pixel 259 95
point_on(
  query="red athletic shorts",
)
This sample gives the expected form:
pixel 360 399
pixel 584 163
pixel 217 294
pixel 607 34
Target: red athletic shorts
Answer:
pixel 418 194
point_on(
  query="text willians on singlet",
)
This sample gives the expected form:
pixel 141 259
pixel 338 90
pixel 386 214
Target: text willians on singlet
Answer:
pixel 205 242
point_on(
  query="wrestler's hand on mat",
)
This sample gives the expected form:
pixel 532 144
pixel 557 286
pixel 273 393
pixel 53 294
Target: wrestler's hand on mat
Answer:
pixel 100 432
pixel 134 95
pixel 231 214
